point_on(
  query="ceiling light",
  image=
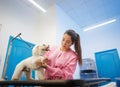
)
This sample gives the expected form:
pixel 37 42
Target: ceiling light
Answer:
pixel 37 5
pixel 99 25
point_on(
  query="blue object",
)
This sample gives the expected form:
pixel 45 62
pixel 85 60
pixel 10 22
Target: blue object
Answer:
pixel 85 74
pixel 108 64
pixel 88 69
pixel 17 51
pixel 118 82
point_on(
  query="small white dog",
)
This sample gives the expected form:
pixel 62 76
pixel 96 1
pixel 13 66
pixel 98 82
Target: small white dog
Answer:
pixel 29 64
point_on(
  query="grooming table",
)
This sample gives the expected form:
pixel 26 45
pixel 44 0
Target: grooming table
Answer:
pixel 96 81
pixel 56 83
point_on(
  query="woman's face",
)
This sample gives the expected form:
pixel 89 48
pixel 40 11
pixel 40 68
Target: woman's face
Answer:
pixel 66 42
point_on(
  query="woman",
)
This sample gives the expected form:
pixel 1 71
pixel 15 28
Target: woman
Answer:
pixel 61 61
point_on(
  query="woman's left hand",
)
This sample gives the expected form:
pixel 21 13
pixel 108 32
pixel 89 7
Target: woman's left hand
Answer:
pixel 46 60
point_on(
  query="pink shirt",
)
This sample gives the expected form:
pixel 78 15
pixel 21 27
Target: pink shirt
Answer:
pixel 61 65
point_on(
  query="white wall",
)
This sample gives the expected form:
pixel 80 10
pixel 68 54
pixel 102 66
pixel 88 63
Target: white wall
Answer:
pixel 47 27
pixel 100 39
pixel 18 17
pixel 64 22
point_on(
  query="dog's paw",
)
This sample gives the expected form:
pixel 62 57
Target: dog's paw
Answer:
pixel 15 79
pixel 38 63
pixel 30 79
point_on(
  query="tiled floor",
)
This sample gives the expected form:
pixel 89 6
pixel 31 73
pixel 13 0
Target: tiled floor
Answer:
pixel 111 84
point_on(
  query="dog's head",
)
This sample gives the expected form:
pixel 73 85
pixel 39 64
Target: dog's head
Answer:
pixel 40 50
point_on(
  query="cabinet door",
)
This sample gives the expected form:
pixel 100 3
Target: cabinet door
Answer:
pixel 17 51
pixel 108 64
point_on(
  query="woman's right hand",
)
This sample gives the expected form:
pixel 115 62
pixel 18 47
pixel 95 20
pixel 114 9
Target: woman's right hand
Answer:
pixel 46 60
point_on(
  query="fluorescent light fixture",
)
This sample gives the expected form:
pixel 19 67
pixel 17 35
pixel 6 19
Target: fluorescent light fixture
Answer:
pixel 99 25
pixel 38 6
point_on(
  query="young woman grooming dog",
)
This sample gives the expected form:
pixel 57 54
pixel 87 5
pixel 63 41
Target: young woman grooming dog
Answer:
pixel 61 60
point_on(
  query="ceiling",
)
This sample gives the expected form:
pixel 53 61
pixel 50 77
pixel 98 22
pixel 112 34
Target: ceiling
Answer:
pixel 45 3
pixel 83 12
pixel 86 12
pixel 89 12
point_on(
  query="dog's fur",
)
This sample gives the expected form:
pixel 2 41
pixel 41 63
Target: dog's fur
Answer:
pixel 29 64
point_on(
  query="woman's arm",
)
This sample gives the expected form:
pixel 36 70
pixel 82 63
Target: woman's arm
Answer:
pixel 65 72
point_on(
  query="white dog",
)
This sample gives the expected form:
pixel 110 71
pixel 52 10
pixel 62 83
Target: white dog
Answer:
pixel 29 64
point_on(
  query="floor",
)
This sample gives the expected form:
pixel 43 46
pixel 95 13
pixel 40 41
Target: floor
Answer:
pixel 111 84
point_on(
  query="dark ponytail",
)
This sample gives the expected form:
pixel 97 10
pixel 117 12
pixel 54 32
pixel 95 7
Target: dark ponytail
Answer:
pixel 76 41
pixel 77 47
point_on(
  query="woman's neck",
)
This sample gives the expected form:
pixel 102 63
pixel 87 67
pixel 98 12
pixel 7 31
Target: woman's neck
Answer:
pixel 64 50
